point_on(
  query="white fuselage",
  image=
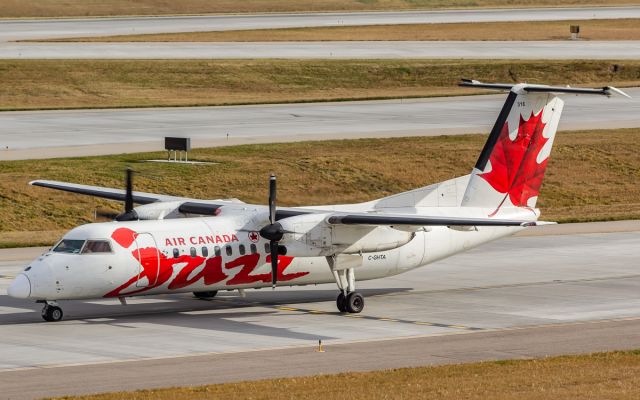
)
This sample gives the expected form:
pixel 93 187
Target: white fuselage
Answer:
pixel 215 253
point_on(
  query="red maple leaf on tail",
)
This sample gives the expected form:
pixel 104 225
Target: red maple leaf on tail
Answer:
pixel 515 170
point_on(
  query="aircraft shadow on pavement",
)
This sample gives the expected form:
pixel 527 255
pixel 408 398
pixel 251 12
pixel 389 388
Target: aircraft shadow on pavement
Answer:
pixel 226 310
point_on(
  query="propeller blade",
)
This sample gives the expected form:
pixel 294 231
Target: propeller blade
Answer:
pixel 273 246
pixel 272 199
pixel 128 200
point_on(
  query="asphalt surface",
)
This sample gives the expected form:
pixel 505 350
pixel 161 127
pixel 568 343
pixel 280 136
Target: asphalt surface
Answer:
pixel 519 297
pixel 45 134
pixel 366 356
pixel 11 30
pixel 596 50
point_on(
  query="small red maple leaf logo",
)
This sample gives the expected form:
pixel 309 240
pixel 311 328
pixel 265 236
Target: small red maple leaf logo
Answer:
pixel 254 237
pixel 515 170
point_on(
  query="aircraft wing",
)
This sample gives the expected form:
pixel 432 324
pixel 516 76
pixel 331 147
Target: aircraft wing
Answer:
pixel 420 220
pixel 105 193
pixel 188 205
pixel 193 206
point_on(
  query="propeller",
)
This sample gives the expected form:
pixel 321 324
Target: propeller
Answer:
pixel 129 213
pixel 273 232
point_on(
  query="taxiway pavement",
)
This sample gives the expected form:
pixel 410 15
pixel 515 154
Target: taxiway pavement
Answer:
pixel 46 134
pixel 22 29
pixel 538 50
pixel 525 296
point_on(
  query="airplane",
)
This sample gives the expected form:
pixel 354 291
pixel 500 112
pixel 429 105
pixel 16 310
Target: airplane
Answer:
pixel 172 244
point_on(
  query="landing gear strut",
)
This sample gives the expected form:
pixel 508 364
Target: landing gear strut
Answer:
pixel 51 312
pixel 206 295
pixel 348 300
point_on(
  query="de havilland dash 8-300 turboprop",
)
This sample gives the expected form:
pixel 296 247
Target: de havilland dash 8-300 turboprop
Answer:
pixel 175 244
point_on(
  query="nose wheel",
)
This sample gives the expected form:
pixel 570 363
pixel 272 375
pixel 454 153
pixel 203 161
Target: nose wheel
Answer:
pixel 51 312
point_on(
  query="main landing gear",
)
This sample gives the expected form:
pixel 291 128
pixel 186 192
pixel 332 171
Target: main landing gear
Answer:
pixel 351 303
pixel 51 312
pixel 348 300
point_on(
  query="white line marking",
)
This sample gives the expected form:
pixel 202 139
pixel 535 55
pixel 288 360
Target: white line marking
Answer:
pixel 14 310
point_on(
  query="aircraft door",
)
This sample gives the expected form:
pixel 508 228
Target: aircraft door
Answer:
pixel 148 258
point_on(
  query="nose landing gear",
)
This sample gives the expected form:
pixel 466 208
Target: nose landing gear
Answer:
pixel 51 312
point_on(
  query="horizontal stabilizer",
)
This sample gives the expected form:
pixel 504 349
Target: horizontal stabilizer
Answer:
pixel 532 88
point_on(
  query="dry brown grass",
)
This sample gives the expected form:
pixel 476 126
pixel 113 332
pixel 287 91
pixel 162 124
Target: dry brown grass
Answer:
pixel 624 29
pixel 39 84
pixel 82 8
pixel 592 175
pixel 29 238
pixel 613 375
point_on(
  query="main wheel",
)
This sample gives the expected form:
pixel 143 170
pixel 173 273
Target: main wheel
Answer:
pixel 341 303
pixel 206 295
pixel 52 313
pixel 355 302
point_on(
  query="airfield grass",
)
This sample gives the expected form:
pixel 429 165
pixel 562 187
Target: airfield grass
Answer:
pixel 89 8
pixel 58 84
pixel 592 176
pixel 611 375
pixel 619 29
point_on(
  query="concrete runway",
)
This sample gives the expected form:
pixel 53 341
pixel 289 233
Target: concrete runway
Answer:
pixel 45 134
pixel 568 50
pixel 519 297
pixel 11 30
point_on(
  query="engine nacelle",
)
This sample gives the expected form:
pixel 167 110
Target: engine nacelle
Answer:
pixel 312 236
pixel 160 210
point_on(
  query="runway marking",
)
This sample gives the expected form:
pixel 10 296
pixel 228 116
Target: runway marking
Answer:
pixel 100 319
pixel 381 319
pixel 14 310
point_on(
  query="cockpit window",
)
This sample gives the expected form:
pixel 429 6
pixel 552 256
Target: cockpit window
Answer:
pixel 97 246
pixel 69 246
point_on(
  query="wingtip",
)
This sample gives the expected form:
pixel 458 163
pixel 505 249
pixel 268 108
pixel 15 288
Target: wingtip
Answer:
pixel 615 90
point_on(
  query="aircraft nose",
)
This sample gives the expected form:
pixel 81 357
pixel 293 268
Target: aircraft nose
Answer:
pixel 20 288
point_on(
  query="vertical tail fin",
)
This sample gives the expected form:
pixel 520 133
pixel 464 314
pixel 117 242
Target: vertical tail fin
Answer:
pixel 511 167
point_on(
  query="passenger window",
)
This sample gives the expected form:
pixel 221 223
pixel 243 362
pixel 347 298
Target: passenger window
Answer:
pixel 254 249
pixel 217 251
pixel 267 248
pixel 241 249
pixel 176 253
pixel 96 246
pixel 192 252
pixel 228 250
pixel 205 251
